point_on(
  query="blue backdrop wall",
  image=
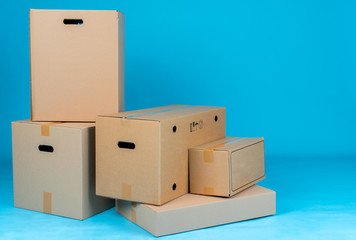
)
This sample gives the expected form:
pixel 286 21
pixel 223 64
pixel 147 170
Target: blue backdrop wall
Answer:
pixel 285 70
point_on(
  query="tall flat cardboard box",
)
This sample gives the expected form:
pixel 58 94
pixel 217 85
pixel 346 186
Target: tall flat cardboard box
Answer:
pixel 53 167
pixel 192 211
pixel 226 166
pixel 143 155
pixel 77 64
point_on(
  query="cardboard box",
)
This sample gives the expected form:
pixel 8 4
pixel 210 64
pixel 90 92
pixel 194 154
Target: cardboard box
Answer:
pixel 192 211
pixel 77 64
pixel 53 167
pixel 227 166
pixel 143 155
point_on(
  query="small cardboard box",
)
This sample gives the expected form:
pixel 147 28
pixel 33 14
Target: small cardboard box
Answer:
pixel 192 211
pixel 53 167
pixel 77 64
pixel 143 155
pixel 226 166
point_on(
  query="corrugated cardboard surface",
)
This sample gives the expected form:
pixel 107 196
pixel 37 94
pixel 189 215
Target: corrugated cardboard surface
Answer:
pixel 226 166
pixel 59 182
pixel 156 171
pixel 77 71
pixel 192 211
pixel 247 166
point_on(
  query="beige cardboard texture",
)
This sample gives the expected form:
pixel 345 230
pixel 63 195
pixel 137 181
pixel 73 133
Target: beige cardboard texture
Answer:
pixel 191 211
pixel 143 155
pixel 54 170
pixel 77 70
pixel 226 166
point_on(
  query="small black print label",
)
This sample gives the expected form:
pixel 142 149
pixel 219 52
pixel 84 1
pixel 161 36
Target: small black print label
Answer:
pixel 196 125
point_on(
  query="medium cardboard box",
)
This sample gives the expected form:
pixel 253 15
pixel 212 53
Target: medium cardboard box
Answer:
pixel 226 166
pixel 77 64
pixel 192 211
pixel 53 167
pixel 143 155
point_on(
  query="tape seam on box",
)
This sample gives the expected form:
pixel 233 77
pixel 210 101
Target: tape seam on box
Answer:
pixel 209 151
pixel 163 111
pixel 47 202
pixel 45 128
pixel 133 215
pixel 126 191
pixel 209 191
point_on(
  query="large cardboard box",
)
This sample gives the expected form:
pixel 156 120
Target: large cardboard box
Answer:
pixel 54 169
pixel 143 155
pixel 226 166
pixel 193 211
pixel 77 64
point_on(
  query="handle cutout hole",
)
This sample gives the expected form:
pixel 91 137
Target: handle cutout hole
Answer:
pixel 216 118
pixel 128 145
pixel 174 186
pixel 73 21
pixel 45 148
pixel 174 128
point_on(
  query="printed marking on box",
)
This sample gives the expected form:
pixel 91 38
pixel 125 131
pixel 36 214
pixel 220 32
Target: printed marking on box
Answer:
pixel 196 125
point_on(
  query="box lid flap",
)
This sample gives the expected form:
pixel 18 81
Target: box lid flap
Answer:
pixel 239 143
pixel 228 144
pixel 60 124
pixel 162 113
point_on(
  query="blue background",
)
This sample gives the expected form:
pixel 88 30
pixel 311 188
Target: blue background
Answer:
pixel 285 70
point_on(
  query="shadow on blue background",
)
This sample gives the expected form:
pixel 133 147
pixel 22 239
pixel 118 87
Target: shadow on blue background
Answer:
pixel 315 200
pixel 285 70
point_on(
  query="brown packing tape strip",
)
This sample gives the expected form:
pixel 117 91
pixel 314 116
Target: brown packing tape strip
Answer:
pixel 45 128
pixel 209 151
pixel 161 111
pixel 126 191
pixel 209 191
pixel 127 123
pixel 133 215
pixel 47 202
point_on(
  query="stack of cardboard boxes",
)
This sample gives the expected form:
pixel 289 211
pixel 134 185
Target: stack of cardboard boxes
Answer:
pixel 66 164
pixel 77 72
